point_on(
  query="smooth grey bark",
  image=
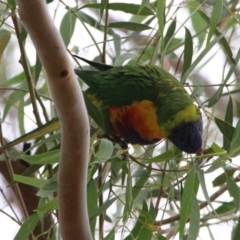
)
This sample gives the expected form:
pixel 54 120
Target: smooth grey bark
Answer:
pixel 70 106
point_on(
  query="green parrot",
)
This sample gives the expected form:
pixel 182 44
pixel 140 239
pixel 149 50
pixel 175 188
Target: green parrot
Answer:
pixel 138 105
pixel 142 105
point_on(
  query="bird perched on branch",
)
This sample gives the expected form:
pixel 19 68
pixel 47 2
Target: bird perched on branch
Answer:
pixel 142 105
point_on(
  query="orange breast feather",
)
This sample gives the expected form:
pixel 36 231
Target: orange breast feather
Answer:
pixel 136 123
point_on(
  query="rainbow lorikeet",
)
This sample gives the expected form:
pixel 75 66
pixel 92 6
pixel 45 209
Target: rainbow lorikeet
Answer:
pixel 142 105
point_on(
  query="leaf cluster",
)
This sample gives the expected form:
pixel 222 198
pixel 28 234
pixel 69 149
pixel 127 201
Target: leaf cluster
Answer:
pixel 153 192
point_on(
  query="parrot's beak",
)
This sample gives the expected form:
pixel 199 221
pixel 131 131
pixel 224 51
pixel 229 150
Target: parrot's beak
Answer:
pixel 200 152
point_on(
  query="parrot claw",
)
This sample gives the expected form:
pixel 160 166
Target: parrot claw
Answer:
pixel 117 140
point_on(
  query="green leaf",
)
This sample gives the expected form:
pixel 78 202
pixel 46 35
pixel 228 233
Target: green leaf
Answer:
pixel 197 89
pixel 160 237
pixel 92 22
pixel 200 57
pixel 49 157
pixel 236 230
pixel 145 233
pixel 52 184
pixel 227 131
pixel 27 227
pixel 223 41
pixel 143 5
pixel 161 16
pixel 170 32
pixel 148 227
pixel 203 186
pixel 214 99
pixel 174 44
pixel 188 192
pixel 41 202
pixel 218 94
pixel 216 149
pixel 31 170
pixel 92 202
pixel 31 181
pixel 223 210
pixel 188 51
pixel 123 57
pixel 16 79
pixel 228 119
pixel 221 179
pixel 23 34
pixel 117 44
pixel 49 206
pixel 238 107
pixel 215 18
pixel 93 110
pixel 12 5
pixel 137 228
pixel 49 140
pixel 67 27
pixel 4 39
pixel 116 164
pixel 135 9
pixel 233 67
pixel 103 5
pixel 105 150
pixel 229 112
pixel 128 198
pixel 232 92
pixel 235 144
pixel 40 131
pixel 103 208
pixel 165 156
pixel 132 26
pixel 194 219
pixel 225 128
pixel 88 19
pixel 44 193
pixel 234 192
pixel 110 236
pixel 215 165
pixel 152 211
pixel 12 101
pixel 138 187
pixel 198 24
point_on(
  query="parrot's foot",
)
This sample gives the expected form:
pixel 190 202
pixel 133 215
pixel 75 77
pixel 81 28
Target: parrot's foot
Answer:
pixel 116 140
pixel 123 145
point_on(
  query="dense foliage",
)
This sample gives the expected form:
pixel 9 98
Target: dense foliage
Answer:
pixel 153 192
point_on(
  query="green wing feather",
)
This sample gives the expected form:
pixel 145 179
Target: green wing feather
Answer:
pixel 121 86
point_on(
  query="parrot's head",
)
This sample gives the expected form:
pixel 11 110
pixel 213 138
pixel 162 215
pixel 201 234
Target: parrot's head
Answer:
pixel 188 137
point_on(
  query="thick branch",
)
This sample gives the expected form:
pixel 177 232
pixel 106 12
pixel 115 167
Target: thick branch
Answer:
pixel 72 113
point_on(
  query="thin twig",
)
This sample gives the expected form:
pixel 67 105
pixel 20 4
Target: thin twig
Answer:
pixel 9 216
pixel 27 71
pixel 17 220
pixel 11 173
pixel 161 189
